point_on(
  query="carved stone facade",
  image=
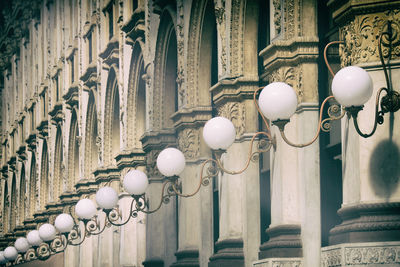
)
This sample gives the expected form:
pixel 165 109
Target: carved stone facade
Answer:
pixel 91 89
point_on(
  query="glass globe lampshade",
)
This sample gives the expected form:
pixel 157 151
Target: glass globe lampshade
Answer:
pixel 170 162
pixel 219 133
pixel 34 238
pixel 3 259
pixel 64 223
pixel 107 198
pixel 352 86
pixel 47 232
pixel 85 209
pixel 22 245
pixel 135 182
pixel 278 101
pixel 11 253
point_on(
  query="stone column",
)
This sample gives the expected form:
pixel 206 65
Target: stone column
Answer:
pixel 295 230
pixel 161 232
pixel 371 192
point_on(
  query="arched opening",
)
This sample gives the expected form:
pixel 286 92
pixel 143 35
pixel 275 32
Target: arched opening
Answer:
pixel 91 151
pixel 44 177
pixel 73 153
pixel 32 187
pixel 136 99
pixel 58 159
pixel 6 203
pixel 166 102
pixel 13 203
pixel 22 196
pixel 112 118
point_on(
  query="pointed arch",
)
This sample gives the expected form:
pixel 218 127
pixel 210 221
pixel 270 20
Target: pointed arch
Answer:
pixel 91 150
pixel 112 117
pixel 44 177
pixel 32 186
pixel 58 165
pixel 22 196
pixel 73 152
pixel 166 63
pixel 136 102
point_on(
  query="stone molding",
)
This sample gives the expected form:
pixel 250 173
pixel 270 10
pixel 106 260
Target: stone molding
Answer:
pixel 284 242
pixel 367 223
pixel 71 97
pixel 279 262
pixel 130 159
pixel 89 77
pixel 191 117
pixel 290 52
pixel 361 254
pixel 135 26
pixel 110 55
pixel 56 114
pixel 229 252
pixel 234 90
pixel 186 258
pixel 153 263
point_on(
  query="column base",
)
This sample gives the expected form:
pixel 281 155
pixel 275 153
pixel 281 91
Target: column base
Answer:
pixel 284 242
pixel 383 254
pixel 187 258
pixel 281 262
pixel 229 254
pixel 153 263
pixel 376 222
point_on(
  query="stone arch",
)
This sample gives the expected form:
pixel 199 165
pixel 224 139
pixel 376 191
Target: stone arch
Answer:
pixel 44 177
pixel 13 203
pixel 91 149
pixel 112 117
pixel 58 165
pixel 73 152
pixel 6 207
pixel 201 55
pixel 136 102
pixel 22 196
pixel 165 72
pixel 32 186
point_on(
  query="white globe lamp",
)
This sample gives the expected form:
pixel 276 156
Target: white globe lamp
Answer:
pixel 278 101
pixel 47 232
pixel 22 245
pixel 64 223
pixel 219 133
pixel 135 182
pixel 3 259
pixel 107 198
pixel 170 162
pixel 85 209
pixel 34 238
pixel 11 253
pixel 352 86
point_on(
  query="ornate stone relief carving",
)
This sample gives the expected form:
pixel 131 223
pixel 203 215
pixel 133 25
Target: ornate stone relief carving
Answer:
pixel 180 79
pixel 235 112
pixel 361 38
pixel 151 162
pixel 290 75
pixel 236 49
pixel 221 18
pixel 331 258
pixel 372 255
pixel 277 16
pixel 292 11
pixel 189 143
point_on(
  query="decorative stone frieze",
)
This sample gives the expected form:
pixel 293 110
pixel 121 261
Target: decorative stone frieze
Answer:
pixel 279 262
pixel 361 254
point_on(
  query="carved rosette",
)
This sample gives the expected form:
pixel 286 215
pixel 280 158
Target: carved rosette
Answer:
pixel 361 37
pixel 189 143
pixel 236 113
pixel 290 75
